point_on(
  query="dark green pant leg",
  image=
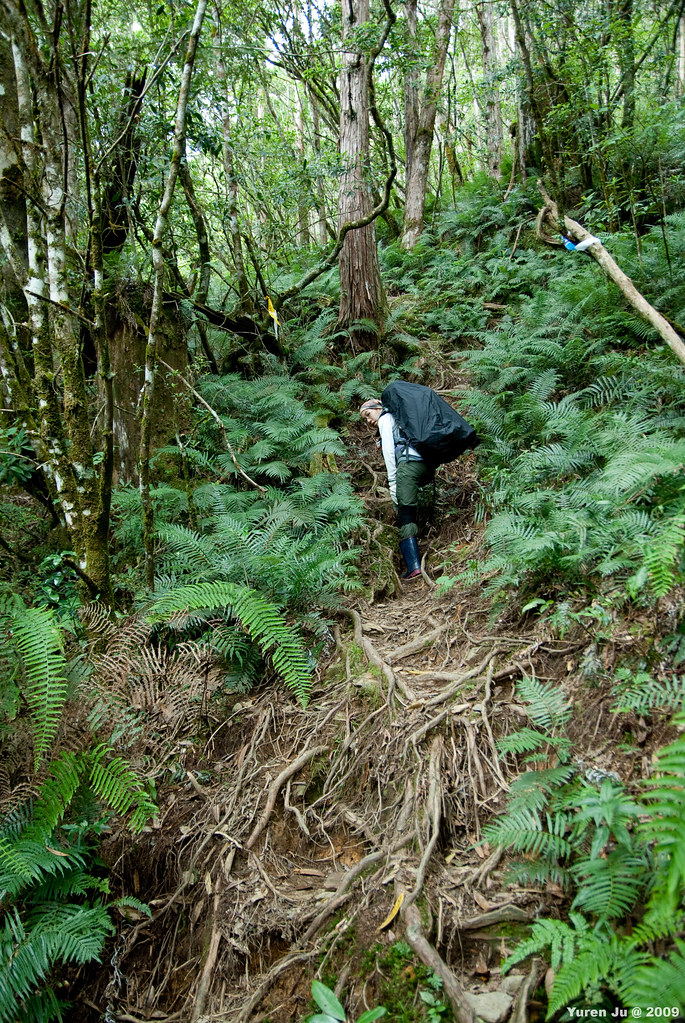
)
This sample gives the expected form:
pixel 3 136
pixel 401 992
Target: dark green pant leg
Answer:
pixel 411 476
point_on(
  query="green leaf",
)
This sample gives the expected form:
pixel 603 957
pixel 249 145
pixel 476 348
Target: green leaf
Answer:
pixel 372 1014
pixel 326 1000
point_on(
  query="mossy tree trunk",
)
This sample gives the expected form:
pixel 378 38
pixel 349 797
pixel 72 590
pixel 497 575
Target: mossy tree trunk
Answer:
pixel 151 368
pixel 51 398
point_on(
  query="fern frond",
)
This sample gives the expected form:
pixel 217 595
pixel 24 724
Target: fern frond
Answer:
pixel 659 982
pixel 547 705
pixel 262 620
pixel 525 831
pixel 119 787
pixel 554 935
pixel 39 641
pixel 665 802
pixel 598 961
pixel 610 886
pixel 645 694
pixel 524 740
pixel 532 789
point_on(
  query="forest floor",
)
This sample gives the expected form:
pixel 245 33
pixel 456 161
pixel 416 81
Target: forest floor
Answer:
pixel 287 837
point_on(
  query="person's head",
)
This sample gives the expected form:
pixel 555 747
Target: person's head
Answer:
pixel 370 411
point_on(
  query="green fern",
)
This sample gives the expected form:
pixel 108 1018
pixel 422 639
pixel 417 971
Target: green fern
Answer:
pixel 643 694
pixel 555 937
pixel 611 885
pixel 665 802
pixel 599 961
pixel 263 621
pixel 657 981
pixel 55 909
pixel 547 705
pixel 37 639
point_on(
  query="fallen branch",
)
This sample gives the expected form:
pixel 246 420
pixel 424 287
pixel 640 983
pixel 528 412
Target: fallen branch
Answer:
pixel 624 283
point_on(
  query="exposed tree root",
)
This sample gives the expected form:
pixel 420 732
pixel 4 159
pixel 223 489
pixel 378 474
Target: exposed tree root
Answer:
pixel 519 1013
pixel 315 815
pixel 275 788
pixel 428 955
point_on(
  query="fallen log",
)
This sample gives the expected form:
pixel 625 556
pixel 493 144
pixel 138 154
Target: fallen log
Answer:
pixel 624 283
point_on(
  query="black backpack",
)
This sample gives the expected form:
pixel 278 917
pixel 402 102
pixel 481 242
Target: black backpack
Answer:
pixel 438 433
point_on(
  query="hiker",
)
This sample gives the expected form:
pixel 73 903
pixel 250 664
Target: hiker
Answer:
pixel 407 471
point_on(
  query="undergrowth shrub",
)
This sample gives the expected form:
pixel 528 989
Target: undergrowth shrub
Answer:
pixel 53 906
pixel 252 559
pixel 619 854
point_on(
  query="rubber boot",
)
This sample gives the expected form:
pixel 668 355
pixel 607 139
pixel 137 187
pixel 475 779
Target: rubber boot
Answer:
pixel 409 549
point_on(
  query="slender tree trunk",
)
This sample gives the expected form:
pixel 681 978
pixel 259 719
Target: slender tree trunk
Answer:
pixel 303 238
pixel 362 294
pixel 230 176
pixel 320 231
pixel 622 12
pixel 493 107
pixel 411 94
pixel 550 157
pixel 147 393
pixel 680 58
pixel 202 234
pixel 415 202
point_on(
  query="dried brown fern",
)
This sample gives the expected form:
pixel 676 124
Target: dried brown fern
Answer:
pixel 151 691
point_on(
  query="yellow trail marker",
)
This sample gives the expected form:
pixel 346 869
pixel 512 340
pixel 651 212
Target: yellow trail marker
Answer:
pixel 273 314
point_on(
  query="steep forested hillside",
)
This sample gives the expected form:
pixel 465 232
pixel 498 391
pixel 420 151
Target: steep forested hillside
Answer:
pixel 250 768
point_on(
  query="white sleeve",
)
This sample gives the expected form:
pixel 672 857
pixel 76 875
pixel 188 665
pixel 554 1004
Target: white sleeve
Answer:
pixel 385 429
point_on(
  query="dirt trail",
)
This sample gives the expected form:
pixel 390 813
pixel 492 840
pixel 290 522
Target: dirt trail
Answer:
pixel 297 843
pixel 287 839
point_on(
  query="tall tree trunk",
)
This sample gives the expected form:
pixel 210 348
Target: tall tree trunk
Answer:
pixel 202 292
pixel 303 238
pixel 320 231
pixel 622 30
pixel 362 295
pixel 492 105
pixel 680 58
pixel 537 107
pixel 230 176
pixel 147 394
pixel 415 202
pixel 411 94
